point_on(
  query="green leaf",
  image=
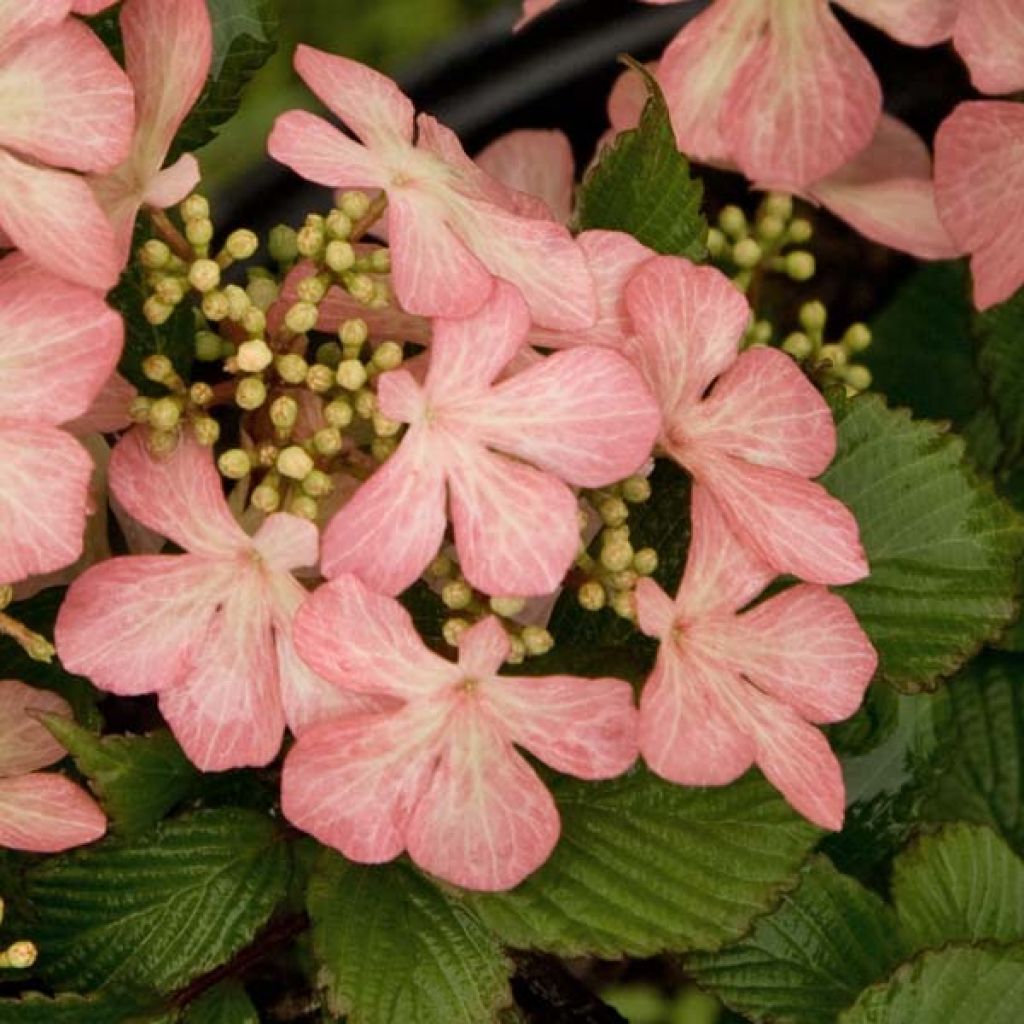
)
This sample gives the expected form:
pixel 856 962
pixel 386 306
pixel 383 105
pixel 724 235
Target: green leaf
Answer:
pixel 75 1009
pixel 985 779
pixel 138 779
pixel 962 884
pixel 922 354
pixel 942 547
pixel 227 1003
pixel 811 957
pixel 642 185
pixel 157 911
pixel 1000 333
pixel 956 985
pixel 644 866
pixel 393 948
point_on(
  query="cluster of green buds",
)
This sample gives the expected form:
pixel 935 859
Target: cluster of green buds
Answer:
pixel 612 571
pixel 181 405
pixel 470 606
pixel 830 361
pixel 771 243
pixel 18 955
pixel 36 646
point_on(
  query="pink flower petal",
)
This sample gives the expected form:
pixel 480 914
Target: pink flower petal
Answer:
pixel 515 527
pixel 353 782
pixel 25 743
pixel 764 410
pixel 37 205
pixel 655 610
pixel 628 98
pixel 287 542
pixel 369 103
pixel 393 526
pixel 138 624
pixel 64 100
pixel 44 498
pixel 583 727
pixel 483 649
pixel 19 19
pixel 485 821
pixel 172 184
pixel 315 149
pixel 886 193
pixel 538 163
pixel 362 640
pixel 978 181
pixel 989 35
pixel 47 814
pixel 108 411
pixel 179 496
pixel 915 22
pixel 804 102
pixel 91 7
pixel 50 325
pixel 533 9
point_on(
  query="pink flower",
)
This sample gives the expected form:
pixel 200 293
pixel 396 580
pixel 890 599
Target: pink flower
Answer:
pixel 733 688
pixel 757 437
pixel 439 776
pixel 499 453
pixel 209 630
pixel 59 344
pixel 452 228
pixel 979 185
pixel 167 48
pixel 538 164
pixel 64 103
pixel 534 8
pixel 989 36
pixel 39 813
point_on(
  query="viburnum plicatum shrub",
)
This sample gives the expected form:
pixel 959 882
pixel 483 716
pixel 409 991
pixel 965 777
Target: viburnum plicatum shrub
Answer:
pixel 503 568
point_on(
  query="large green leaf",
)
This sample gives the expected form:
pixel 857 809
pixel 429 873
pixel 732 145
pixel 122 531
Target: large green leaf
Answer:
pixel 157 911
pixel 956 985
pixel 226 1003
pixel 943 548
pixel 76 1009
pixel 1000 333
pixel 985 779
pixel 138 779
pixel 644 866
pixel 642 185
pixel 811 957
pixel 961 884
pixel 393 948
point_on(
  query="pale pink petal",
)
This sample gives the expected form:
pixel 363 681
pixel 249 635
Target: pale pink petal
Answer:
pixel 533 9
pixel 64 100
pixel 655 610
pixel 765 411
pixel 433 272
pixel 138 623
pixel 369 103
pixel 483 649
pixel 804 102
pixel 46 813
pixel 791 523
pixel 227 712
pixel 915 22
pixel 108 411
pixel 485 821
pixel 19 19
pixel 287 542
pixel 989 35
pixel 353 782
pixel 582 727
pixel 172 184
pixel 358 638
pixel 25 743
pixel 584 414
pixel 36 206
pixel 689 321
pixel 979 177
pixel 319 152
pixel 393 526
pixel 44 499
pixel 628 98
pixel 515 527
pixel 59 344
pixel 91 7
pixel 886 193
pixel 538 163
pixel 178 495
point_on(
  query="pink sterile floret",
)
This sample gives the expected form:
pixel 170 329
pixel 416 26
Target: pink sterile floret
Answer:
pixel 979 187
pixel 989 36
pixel 439 775
pixel 733 688
pixel 209 630
pixel 40 813
pixel 64 103
pixel 452 228
pixel 503 454
pixel 167 49
pixel 758 436
pixel 59 344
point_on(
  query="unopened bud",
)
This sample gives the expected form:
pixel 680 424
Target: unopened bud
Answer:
pixel 164 414
pixel 617 555
pixel 516 651
pixel 338 224
pixel 262 291
pixel 194 207
pixel 770 229
pixel 254 356
pixel 234 464
pixel 154 254
pixel 355 205
pixel 383 427
pixel 623 603
pixel 199 231
pixel 388 355
pixel 156 311
pixel 746 254
pixel 613 511
pixel 645 561
pixel 206 430
pixel 138 411
pixel 537 640
pixel 778 204
pixel 800 231
pixel 200 393
pixel 241 244
pixel 382 448
pixel 365 404
pixel 329 353
pixel 733 221
pixel 340 256
pixel 813 316
pixel 238 301
pixel 294 463
pixel 19 955
pixel 250 393
pixel 157 368
pixel 207 347
pixel 716 242
pixel 800 265
pixel 317 484
pixel 162 442
pixel 320 379
pixel 266 498
pixel 304 506
pixel 301 317
pixel 216 306
pixel 760 333
pixel 170 290
pixel 284 412
pixel 312 289
pixel 254 321
pixel 380 261
pixel 292 368
pixel 857 337
pixel 310 240
pixel 858 377
pixel 636 489
pixel 353 333
pixel 204 275
pixel 452 631
pixel 361 288
pixel 338 413
pixel 351 374
pixel 507 606
pixel 591 596
pixel 457 595
pixel 798 345
pixel 328 441
pixel 282 244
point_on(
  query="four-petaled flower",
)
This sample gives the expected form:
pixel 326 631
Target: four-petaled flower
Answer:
pixel 439 775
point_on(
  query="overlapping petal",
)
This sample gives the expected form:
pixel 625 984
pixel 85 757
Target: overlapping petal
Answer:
pixel 989 35
pixel 25 743
pixel 537 163
pixel 47 813
pixel 914 22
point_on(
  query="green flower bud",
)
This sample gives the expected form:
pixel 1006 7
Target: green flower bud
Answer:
pixel 636 489
pixel 857 338
pixel 516 651
pixel 716 243
pixel 156 311
pixel 216 306
pixel 508 607
pixel 19 955
pixel 441 565
pixel 207 347
pixel 284 412
pixel 313 288
pixel 760 333
pixel 340 256
pixel 320 379
pixel 262 292
pixel 457 595
pixel 266 498
pixel 617 555
pixel 294 463
pixel 139 409
pixel 800 231
pixel 452 631
pixel 338 225
pixel 800 265
pixel 310 240
pixel 157 368
pixel 254 356
pixel 770 229
pixel 204 275
pixel 388 355
pixel 353 333
pixel 733 221
pixel 194 207
pixel 645 561
pixel 746 254
pixel 238 301
pixel 291 368
pixel 200 393
pixel 241 244
pixel 537 640
pixel 154 254
pixel 798 345
pixel 164 414
pixel 380 261
pixel 199 232
pixel 835 354
pixel 813 316
pixel 778 204
pixel 613 511
pixel 351 374
pixel 365 404
pixel 383 427
pixel 304 506
pixel 360 287
pixel 206 430
pixel 317 484
pixel 162 442
pixel 234 464
pixel 328 441
pixel 329 353
pixel 623 603
pixel 254 321
pixel 250 393
pixel 382 448
pixel 301 317
pixel 858 377
pixel 282 244
pixel 355 205
pixel 338 413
